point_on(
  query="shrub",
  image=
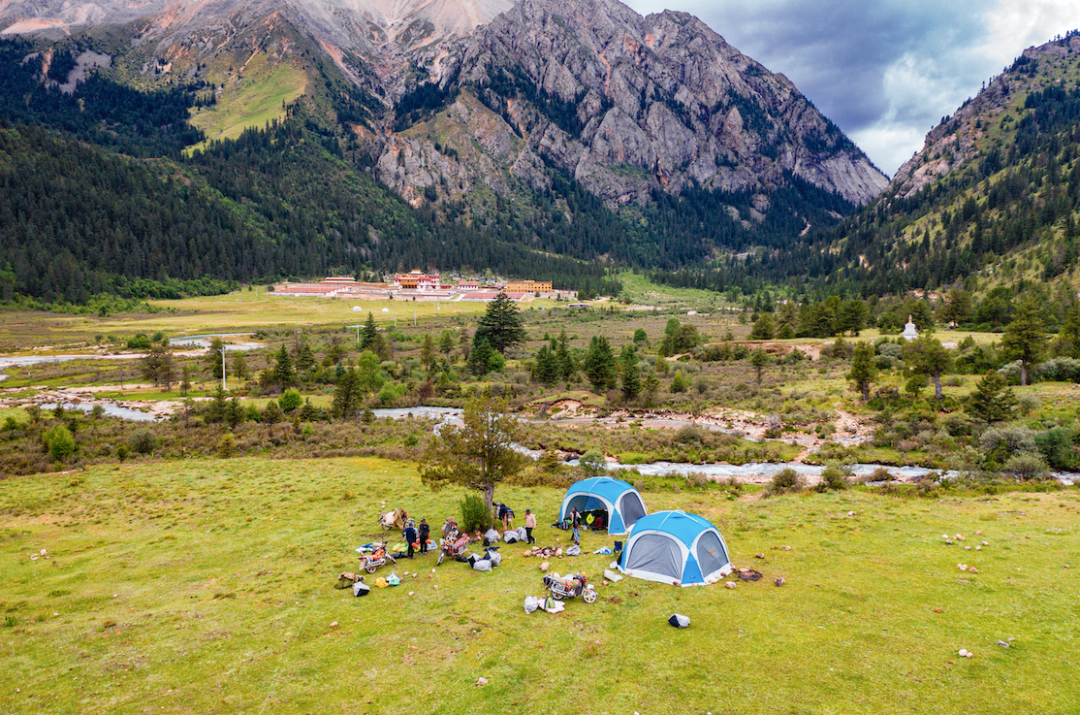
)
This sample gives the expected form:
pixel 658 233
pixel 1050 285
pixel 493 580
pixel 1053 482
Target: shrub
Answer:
pixel 786 481
pixel 226 445
pixel 290 400
pixel 690 434
pixel 1000 443
pixel 835 478
pixel 593 463
pixel 1062 369
pixel 1058 446
pixel 142 441
pixel 1026 467
pixel 60 442
pixel 1029 403
pixel 957 424
pixel 474 513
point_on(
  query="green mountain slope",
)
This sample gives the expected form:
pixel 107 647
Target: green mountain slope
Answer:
pixel 994 197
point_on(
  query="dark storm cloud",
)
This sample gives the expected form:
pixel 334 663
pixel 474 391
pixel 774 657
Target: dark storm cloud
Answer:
pixel 885 71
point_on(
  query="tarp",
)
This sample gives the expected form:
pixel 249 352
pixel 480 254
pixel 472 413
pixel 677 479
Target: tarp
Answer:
pixel 677 548
pixel 622 502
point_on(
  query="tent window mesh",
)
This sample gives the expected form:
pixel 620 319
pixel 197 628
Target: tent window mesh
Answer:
pixel 710 553
pixel 631 508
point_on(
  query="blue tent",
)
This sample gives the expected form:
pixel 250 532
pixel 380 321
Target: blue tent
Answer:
pixel 677 548
pixel 620 500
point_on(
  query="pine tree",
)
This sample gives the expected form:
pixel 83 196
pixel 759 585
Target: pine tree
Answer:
pixel 863 369
pixel 347 395
pixel 631 377
pixel 369 335
pixel 305 358
pixel 567 364
pixel 480 356
pixel 759 359
pixel 600 364
pixel 993 400
pixel 547 370
pixel 446 342
pixel 1025 336
pixel 501 324
pixel 283 375
pixel 929 358
pixel 427 352
pixel 763 329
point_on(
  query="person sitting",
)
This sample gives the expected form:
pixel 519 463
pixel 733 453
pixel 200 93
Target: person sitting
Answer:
pixel 598 522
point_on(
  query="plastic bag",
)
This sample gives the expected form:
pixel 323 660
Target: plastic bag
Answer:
pixel 531 603
pixel 679 621
pixel 360 589
pixel 393 580
pixel 481 565
pixel 381 582
pixel 573 550
pixel 494 557
pixel 511 537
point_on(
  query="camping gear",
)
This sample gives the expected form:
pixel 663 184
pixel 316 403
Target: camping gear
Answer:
pixel 360 589
pixel 570 586
pixel 347 579
pixel 612 576
pixel 381 582
pixel 677 548
pixel 393 580
pixel 494 557
pixel 531 603
pixel 491 537
pixel 370 562
pixel 393 520
pixel 621 501
pixel 511 537
pixel 482 565
pixel 452 549
pixel 573 550
pixel 679 621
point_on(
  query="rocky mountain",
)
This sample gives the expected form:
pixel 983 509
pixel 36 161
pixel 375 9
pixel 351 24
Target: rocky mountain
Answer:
pixel 993 198
pixel 627 105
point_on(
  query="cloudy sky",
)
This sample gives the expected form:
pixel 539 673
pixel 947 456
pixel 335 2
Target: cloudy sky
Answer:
pixel 886 71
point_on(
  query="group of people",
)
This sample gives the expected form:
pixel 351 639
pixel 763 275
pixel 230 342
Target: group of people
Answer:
pixel 416 536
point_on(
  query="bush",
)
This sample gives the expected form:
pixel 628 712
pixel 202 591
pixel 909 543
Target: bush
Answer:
pixel 226 445
pixel 1062 369
pixel 60 442
pixel 593 463
pixel 690 434
pixel 1058 447
pixel 1029 403
pixel 290 400
pixel 1026 467
pixel 957 424
pixel 835 478
pixel 786 481
pixel 474 513
pixel 142 441
pixel 1000 443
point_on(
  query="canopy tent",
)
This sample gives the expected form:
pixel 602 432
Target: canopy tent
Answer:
pixel 620 500
pixel 677 548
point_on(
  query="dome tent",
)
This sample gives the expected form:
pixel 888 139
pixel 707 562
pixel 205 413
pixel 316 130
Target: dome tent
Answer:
pixel 621 501
pixel 677 548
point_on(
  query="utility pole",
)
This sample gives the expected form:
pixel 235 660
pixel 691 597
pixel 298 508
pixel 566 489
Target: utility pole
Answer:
pixel 357 326
pixel 222 350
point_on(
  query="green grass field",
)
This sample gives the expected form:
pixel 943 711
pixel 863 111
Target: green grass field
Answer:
pixel 207 586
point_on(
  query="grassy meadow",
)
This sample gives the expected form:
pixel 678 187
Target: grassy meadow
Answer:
pixel 207 586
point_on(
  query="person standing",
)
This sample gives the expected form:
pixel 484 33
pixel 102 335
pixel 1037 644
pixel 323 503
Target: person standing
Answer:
pixel 409 534
pixel 530 524
pixel 575 536
pixel 425 532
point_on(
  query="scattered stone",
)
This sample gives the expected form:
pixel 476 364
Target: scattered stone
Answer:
pixel 959 537
pixel 937 610
pixel 785 548
pixel 780 581
pixel 1003 644
pixel 558 552
pixel 436 587
pixel 986 543
pixel 978 533
pixel 962 567
pixel 851 513
pixel 948 542
pixel 973 570
pixel 334 624
pixel 33 557
pixel 977 548
pixel 759 556
pixel 945 536
pixel 730 584
pixel 545 566
pixel 965 653
pixel 1066 566
pixel 411 592
pixel 481 681
pixel 44 552
pixel 414 575
pixel 967 548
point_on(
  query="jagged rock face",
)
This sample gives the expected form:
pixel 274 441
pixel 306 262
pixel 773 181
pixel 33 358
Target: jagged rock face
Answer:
pixel 658 102
pixel 627 105
pixel 954 142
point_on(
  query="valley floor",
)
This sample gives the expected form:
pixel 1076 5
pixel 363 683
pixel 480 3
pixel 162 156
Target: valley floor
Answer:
pixel 207 586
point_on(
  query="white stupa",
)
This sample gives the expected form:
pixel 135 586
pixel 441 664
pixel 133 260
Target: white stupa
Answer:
pixel 910 333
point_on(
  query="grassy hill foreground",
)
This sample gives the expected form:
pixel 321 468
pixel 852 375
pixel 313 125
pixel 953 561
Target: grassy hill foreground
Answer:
pixel 207 586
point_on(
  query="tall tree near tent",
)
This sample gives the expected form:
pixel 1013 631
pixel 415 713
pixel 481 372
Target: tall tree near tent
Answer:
pixel 1025 336
pixel 284 375
pixel 501 325
pixel 478 454
pixel 369 336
